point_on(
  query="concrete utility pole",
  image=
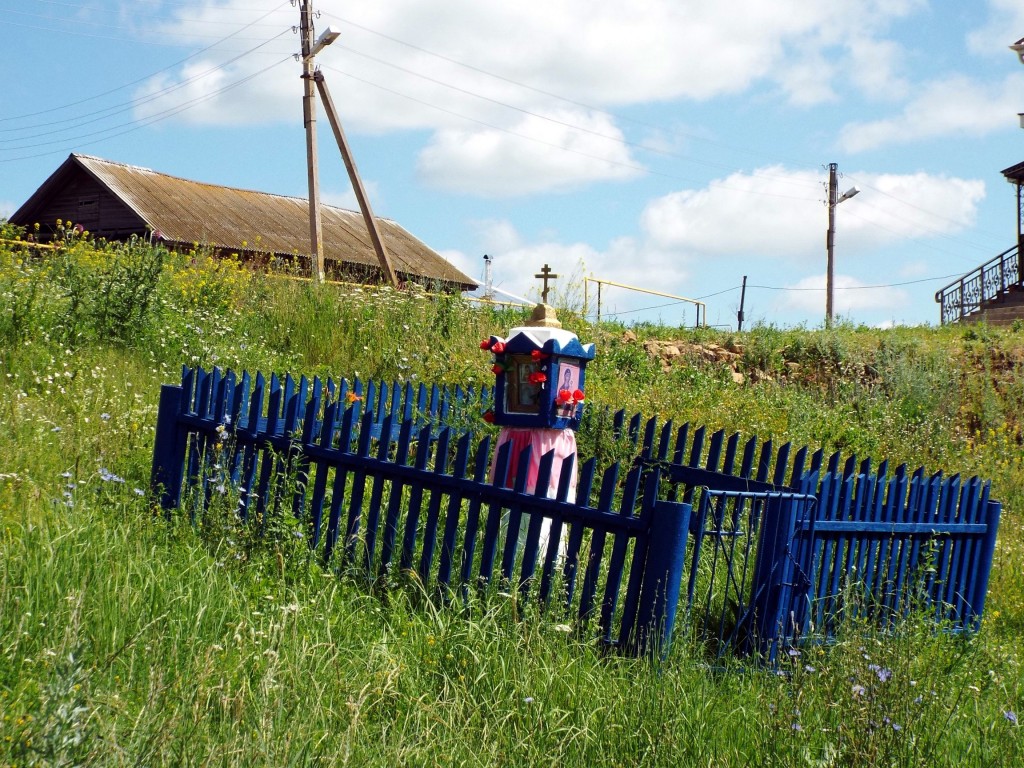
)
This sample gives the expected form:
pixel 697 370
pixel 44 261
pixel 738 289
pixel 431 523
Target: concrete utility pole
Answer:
pixel 316 245
pixel 357 183
pixel 834 198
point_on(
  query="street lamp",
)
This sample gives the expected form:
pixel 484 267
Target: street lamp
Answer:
pixel 326 37
pixel 834 199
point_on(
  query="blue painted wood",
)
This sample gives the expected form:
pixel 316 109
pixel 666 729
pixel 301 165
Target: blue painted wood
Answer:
pixel 434 506
pixel 316 505
pixel 340 480
pixel 595 554
pixel 663 570
pixel 292 440
pixel 620 543
pixel 473 513
pixel 412 523
pixel 394 510
pixel 557 531
pixel 451 525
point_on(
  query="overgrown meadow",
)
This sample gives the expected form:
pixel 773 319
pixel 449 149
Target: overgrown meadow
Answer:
pixel 129 639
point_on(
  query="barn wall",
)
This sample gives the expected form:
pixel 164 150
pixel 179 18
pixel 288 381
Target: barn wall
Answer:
pixel 83 200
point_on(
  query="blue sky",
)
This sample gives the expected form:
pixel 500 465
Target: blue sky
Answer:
pixel 674 145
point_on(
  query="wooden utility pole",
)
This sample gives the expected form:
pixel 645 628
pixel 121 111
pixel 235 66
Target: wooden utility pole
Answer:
pixel 743 297
pixel 357 183
pixel 316 245
pixel 830 238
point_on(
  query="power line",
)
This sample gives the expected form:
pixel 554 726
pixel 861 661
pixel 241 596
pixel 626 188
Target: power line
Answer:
pixel 144 77
pixel 116 109
pixel 784 288
pixel 573 126
pixel 542 92
pixel 616 116
pixel 144 122
pixel 859 287
pixel 510 132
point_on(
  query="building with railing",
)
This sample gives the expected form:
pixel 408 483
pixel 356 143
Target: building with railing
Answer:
pixel 994 291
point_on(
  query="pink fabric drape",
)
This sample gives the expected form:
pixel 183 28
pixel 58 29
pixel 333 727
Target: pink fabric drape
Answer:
pixel 561 441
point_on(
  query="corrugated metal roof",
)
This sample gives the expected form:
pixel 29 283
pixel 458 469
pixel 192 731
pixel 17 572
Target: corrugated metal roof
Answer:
pixel 185 211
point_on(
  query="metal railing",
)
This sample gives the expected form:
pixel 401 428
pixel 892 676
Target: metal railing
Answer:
pixel 991 280
pixel 700 306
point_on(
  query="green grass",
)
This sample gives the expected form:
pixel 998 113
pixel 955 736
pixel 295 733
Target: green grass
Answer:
pixel 128 639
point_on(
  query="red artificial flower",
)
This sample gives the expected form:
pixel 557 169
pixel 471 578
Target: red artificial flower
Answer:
pixel 498 347
pixel 497 369
pixel 538 355
pixel 489 417
pixel 564 396
pixel 537 377
pixel 578 396
pixel 485 344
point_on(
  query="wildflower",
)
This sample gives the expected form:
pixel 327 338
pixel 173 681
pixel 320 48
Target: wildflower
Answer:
pixel 351 397
pixel 1010 716
pixel 528 700
pixel 793 653
pixel 109 477
pixel 138 492
pixel 105 416
pixel 883 673
pixel 858 690
pixel 562 628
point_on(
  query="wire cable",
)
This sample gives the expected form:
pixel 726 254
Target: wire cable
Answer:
pixel 144 77
pixel 124 106
pixel 144 122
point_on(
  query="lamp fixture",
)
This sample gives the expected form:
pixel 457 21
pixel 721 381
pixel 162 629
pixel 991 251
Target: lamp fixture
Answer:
pixel 327 37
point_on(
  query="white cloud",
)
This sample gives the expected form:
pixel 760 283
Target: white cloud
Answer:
pixel 778 213
pixel 956 105
pixel 1004 26
pixel 496 163
pixel 508 133
pixel 606 53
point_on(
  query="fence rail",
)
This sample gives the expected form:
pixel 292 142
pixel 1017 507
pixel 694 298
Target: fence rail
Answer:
pixel 757 546
pixel 991 280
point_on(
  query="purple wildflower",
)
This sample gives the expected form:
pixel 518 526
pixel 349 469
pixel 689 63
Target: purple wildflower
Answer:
pixel 1011 716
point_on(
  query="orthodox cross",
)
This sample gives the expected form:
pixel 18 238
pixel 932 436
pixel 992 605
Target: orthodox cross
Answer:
pixel 545 275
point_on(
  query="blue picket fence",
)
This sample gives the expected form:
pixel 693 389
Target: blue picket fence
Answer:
pixel 757 547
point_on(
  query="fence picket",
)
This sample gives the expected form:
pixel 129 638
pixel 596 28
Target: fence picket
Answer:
pixel 293 440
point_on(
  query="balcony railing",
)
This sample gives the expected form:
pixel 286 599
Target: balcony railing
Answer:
pixel 991 280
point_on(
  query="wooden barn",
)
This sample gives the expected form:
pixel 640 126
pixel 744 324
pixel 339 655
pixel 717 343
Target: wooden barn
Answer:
pixel 115 201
